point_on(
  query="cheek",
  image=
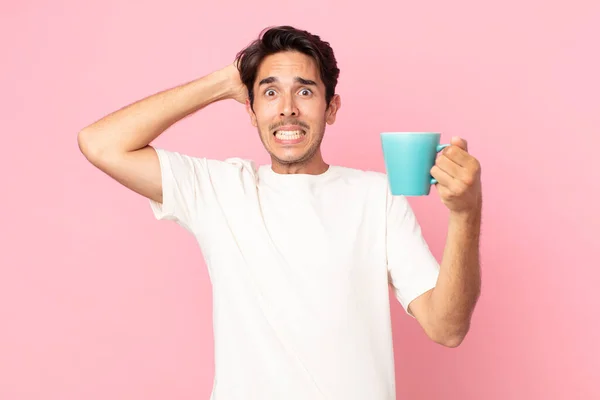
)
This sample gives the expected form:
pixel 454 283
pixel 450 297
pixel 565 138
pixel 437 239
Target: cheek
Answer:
pixel 263 123
pixel 312 112
pixel 265 114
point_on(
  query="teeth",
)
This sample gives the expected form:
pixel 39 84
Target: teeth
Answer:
pixel 288 135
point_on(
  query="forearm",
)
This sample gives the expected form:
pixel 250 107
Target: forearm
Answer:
pixel 458 287
pixel 138 124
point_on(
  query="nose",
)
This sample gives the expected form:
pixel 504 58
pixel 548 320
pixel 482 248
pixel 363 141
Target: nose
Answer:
pixel 288 107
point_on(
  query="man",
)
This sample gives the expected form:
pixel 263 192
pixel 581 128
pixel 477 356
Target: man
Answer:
pixel 300 253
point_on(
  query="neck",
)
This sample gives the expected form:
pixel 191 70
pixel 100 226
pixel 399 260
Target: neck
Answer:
pixel 313 166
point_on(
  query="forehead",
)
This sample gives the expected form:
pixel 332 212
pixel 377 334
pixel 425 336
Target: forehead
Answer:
pixel 289 64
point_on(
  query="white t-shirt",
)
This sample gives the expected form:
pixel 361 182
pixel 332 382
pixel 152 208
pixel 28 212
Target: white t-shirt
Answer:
pixel 300 267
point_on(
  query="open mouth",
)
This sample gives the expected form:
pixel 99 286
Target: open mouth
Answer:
pixel 289 135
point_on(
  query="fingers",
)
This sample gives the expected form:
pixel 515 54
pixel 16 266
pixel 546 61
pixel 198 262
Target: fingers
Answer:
pixel 458 176
pixel 447 165
pixel 441 176
pixel 449 174
pixel 457 155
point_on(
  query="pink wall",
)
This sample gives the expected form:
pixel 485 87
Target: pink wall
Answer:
pixel 99 301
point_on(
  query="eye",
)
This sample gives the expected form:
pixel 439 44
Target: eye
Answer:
pixel 305 92
pixel 270 92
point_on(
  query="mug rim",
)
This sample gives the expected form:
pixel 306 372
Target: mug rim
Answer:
pixel 409 133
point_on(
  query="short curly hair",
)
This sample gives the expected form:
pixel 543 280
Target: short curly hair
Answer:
pixel 287 38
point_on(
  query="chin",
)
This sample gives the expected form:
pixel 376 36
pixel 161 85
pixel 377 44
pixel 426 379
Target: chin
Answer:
pixel 289 158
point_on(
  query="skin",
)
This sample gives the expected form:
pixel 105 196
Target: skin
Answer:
pixel 289 92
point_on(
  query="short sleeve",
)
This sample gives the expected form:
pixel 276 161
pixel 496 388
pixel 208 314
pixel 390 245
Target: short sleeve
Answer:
pixel 412 268
pixel 181 177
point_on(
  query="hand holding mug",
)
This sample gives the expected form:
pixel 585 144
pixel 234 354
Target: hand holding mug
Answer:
pixel 458 176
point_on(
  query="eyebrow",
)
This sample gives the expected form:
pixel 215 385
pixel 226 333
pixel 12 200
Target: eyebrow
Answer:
pixel 272 79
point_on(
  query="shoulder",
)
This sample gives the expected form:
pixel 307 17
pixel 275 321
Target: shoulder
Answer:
pixel 182 162
pixel 208 176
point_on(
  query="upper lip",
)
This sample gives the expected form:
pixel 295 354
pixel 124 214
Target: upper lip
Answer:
pixel 289 128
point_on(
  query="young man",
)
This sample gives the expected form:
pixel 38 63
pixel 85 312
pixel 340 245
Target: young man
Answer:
pixel 300 253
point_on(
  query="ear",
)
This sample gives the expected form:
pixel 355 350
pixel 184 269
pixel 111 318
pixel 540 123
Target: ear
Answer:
pixel 334 106
pixel 251 114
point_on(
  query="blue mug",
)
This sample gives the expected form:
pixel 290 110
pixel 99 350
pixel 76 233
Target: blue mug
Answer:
pixel 409 157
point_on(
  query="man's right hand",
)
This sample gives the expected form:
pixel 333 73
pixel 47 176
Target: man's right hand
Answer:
pixel 239 92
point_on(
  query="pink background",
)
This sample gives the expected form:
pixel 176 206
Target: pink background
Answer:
pixel 99 301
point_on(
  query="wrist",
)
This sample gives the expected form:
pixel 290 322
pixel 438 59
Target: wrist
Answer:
pixel 221 85
pixel 228 80
pixel 467 217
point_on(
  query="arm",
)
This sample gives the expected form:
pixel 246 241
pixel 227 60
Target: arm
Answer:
pixel 118 144
pixel 445 311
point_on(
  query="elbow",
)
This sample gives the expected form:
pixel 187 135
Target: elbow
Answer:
pixel 89 146
pixel 451 336
pixel 85 144
pixel 451 341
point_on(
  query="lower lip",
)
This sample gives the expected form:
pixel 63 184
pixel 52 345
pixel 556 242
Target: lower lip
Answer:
pixel 289 141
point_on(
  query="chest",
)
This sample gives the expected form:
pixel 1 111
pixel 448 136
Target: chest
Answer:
pixel 321 232
pixel 293 254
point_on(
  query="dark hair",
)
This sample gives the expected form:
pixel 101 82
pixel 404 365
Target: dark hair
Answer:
pixel 287 38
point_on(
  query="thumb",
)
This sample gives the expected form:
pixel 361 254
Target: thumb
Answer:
pixel 459 142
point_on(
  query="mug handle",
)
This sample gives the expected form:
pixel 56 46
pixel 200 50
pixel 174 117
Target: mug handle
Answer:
pixel 439 148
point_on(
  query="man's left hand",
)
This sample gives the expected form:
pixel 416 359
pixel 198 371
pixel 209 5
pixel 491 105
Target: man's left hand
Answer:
pixel 459 178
